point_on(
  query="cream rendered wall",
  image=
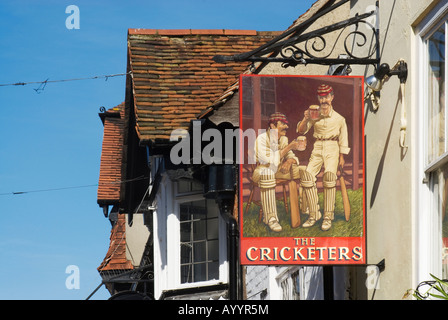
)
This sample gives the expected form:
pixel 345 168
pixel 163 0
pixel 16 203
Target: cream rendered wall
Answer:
pixel 390 170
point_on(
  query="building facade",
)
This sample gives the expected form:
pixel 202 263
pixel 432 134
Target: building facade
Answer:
pixel 180 215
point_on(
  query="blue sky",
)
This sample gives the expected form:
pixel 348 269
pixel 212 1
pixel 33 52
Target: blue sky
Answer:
pixel 51 138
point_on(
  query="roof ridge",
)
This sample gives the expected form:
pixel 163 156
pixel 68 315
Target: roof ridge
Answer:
pixel 225 32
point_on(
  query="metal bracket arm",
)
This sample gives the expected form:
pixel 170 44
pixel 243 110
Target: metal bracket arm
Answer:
pixel 285 48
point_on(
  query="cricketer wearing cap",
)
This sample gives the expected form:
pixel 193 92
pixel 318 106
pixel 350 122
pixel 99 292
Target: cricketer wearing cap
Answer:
pixel 330 146
pixel 275 160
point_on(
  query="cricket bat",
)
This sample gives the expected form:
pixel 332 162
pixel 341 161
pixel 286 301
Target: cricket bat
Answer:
pixel 345 200
pixel 294 204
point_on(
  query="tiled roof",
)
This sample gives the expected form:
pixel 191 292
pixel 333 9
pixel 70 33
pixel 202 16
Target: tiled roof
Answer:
pixel 115 259
pixel 175 78
pixel 111 156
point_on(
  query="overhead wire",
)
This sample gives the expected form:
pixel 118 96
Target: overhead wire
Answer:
pixel 46 190
pixel 72 187
pixel 39 89
pixel 42 84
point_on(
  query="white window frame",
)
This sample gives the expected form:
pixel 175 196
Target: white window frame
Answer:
pixel 167 271
pixel 427 239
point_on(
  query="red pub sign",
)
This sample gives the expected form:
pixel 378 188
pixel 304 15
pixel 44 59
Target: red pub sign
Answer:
pixel 302 180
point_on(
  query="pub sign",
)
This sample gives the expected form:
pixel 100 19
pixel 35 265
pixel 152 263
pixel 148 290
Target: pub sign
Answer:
pixel 302 181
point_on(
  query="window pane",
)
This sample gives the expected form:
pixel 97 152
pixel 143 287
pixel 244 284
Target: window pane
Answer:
pixel 213 270
pixel 436 94
pixel 247 96
pixel 213 250
pixel 199 249
pixel 212 209
pixel 185 213
pixel 199 234
pixel 185 254
pixel 212 229
pixel 198 209
pixel 200 272
pixel 200 231
pixel 186 273
pixel 185 232
pixel 267 83
pixel 187 185
pixel 267 95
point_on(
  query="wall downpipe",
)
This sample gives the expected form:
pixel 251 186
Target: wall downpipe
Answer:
pixel 226 208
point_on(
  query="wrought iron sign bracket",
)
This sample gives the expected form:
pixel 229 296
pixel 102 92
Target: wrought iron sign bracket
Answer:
pixel 296 47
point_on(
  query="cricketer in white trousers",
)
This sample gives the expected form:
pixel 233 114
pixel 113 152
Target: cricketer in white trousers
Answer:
pixel 331 137
pixel 267 155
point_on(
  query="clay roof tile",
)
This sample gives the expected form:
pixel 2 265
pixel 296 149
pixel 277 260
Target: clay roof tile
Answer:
pixel 111 156
pixel 173 70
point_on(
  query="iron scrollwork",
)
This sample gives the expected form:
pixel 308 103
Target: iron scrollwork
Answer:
pixel 295 47
pixel 316 49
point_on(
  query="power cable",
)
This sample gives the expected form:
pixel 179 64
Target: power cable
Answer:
pixel 71 187
pixel 42 84
pixel 46 190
